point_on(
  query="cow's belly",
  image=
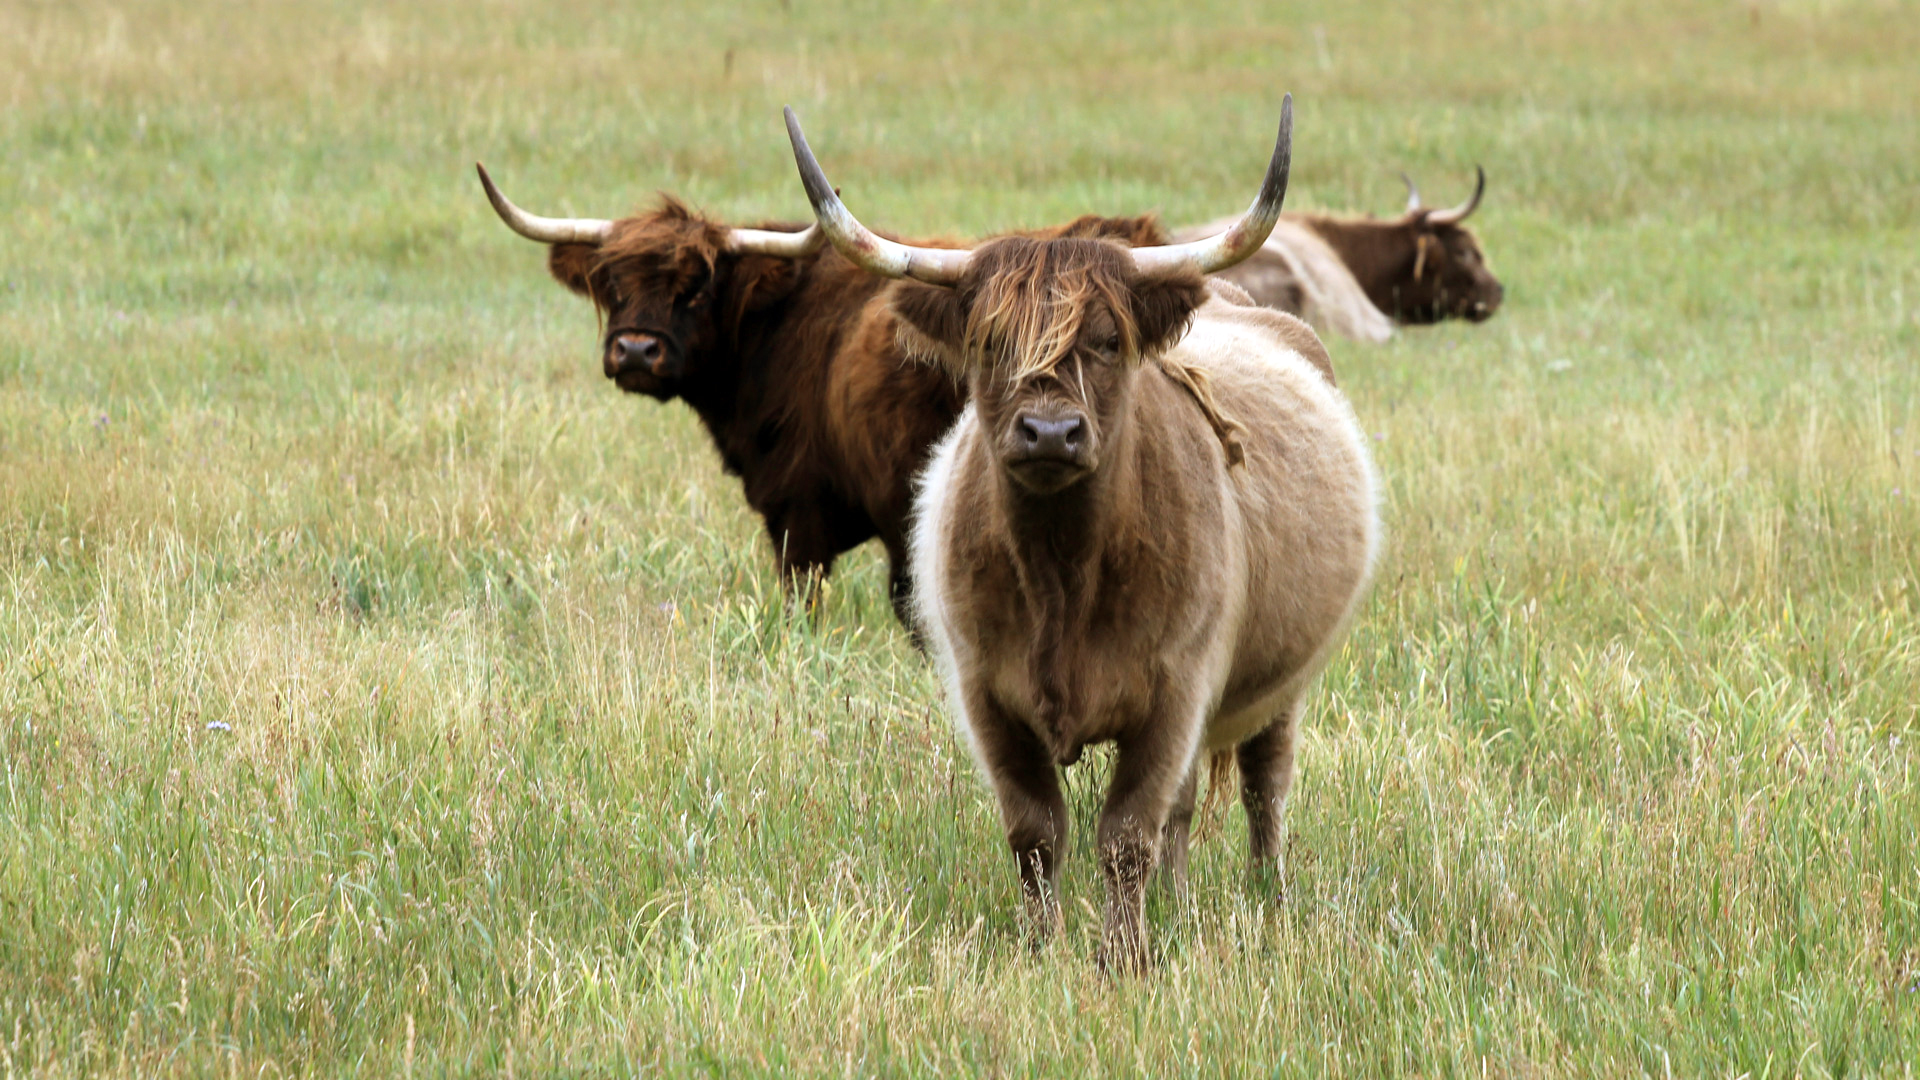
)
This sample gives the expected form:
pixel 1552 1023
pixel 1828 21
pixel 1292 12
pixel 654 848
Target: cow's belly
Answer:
pixel 1249 716
pixel 1282 649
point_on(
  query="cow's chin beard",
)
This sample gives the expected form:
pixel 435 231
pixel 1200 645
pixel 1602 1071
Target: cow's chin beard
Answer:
pixel 1045 476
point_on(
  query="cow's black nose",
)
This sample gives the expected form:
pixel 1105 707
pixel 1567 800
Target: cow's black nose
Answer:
pixel 1062 438
pixel 642 349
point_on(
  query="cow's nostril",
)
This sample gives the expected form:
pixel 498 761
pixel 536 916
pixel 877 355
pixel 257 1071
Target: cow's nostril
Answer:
pixel 643 349
pixel 1051 437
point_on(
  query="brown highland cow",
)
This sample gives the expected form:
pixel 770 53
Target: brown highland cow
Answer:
pixel 785 350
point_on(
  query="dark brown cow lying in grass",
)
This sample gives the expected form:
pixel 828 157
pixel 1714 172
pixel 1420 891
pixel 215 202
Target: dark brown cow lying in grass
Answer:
pixel 787 353
pixel 1349 273
pixel 1147 528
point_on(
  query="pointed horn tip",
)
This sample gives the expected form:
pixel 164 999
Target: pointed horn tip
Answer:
pixel 1248 232
pixel 1286 128
pixel 1282 166
pixel 492 190
pixel 820 191
pixel 1457 214
pixel 855 241
pixel 501 204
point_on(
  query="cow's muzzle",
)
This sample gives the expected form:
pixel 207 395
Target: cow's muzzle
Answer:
pixel 1485 304
pixel 629 354
pixel 1047 452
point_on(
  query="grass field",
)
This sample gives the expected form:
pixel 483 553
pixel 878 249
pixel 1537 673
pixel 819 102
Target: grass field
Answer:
pixel 383 693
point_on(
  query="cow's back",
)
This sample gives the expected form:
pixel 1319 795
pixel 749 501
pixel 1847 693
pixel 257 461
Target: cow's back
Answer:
pixel 1298 272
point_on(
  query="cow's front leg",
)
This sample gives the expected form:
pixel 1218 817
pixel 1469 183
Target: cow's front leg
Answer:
pixel 1154 765
pixel 1032 807
pixel 900 586
pixel 1266 775
pixel 806 555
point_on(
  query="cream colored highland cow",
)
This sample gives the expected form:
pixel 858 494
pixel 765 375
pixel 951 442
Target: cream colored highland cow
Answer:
pixel 1150 526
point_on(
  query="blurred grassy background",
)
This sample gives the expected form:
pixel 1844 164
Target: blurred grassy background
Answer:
pixel 530 767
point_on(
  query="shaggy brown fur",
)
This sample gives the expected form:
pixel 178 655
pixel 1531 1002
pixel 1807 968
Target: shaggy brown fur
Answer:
pixel 1123 582
pixel 793 365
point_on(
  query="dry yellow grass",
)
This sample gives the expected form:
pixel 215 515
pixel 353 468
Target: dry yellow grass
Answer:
pixel 528 766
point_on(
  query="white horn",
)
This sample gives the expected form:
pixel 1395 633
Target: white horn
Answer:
pixel 786 245
pixel 544 229
pixel 877 254
pixel 1459 213
pixel 1243 237
pixel 1413 193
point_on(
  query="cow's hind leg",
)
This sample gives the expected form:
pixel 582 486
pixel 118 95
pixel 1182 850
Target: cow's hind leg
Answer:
pixel 1266 775
pixel 1032 808
pixel 1174 838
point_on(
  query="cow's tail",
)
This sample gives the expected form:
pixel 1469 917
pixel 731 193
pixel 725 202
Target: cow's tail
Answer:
pixel 1220 768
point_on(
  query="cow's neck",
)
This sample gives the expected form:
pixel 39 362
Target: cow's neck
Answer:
pixel 719 406
pixel 760 390
pixel 716 393
pixel 736 397
pixel 1379 254
pixel 1057 543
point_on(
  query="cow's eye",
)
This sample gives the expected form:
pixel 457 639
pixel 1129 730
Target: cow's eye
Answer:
pixel 1109 347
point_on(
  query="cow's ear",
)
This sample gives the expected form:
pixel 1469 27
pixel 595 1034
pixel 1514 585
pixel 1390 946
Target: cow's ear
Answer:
pixel 1142 231
pixel 933 321
pixel 1162 307
pixel 764 280
pixel 572 265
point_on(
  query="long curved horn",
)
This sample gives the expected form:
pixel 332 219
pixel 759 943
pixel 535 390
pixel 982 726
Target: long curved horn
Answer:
pixel 1459 213
pixel 1413 193
pixel 544 229
pixel 786 245
pixel 1245 236
pixel 877 254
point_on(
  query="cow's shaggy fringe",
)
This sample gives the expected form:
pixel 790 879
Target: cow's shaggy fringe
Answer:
pixel 1029 313
pixel 1025 337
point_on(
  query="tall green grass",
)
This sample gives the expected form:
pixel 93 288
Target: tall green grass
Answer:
pixel 383 693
